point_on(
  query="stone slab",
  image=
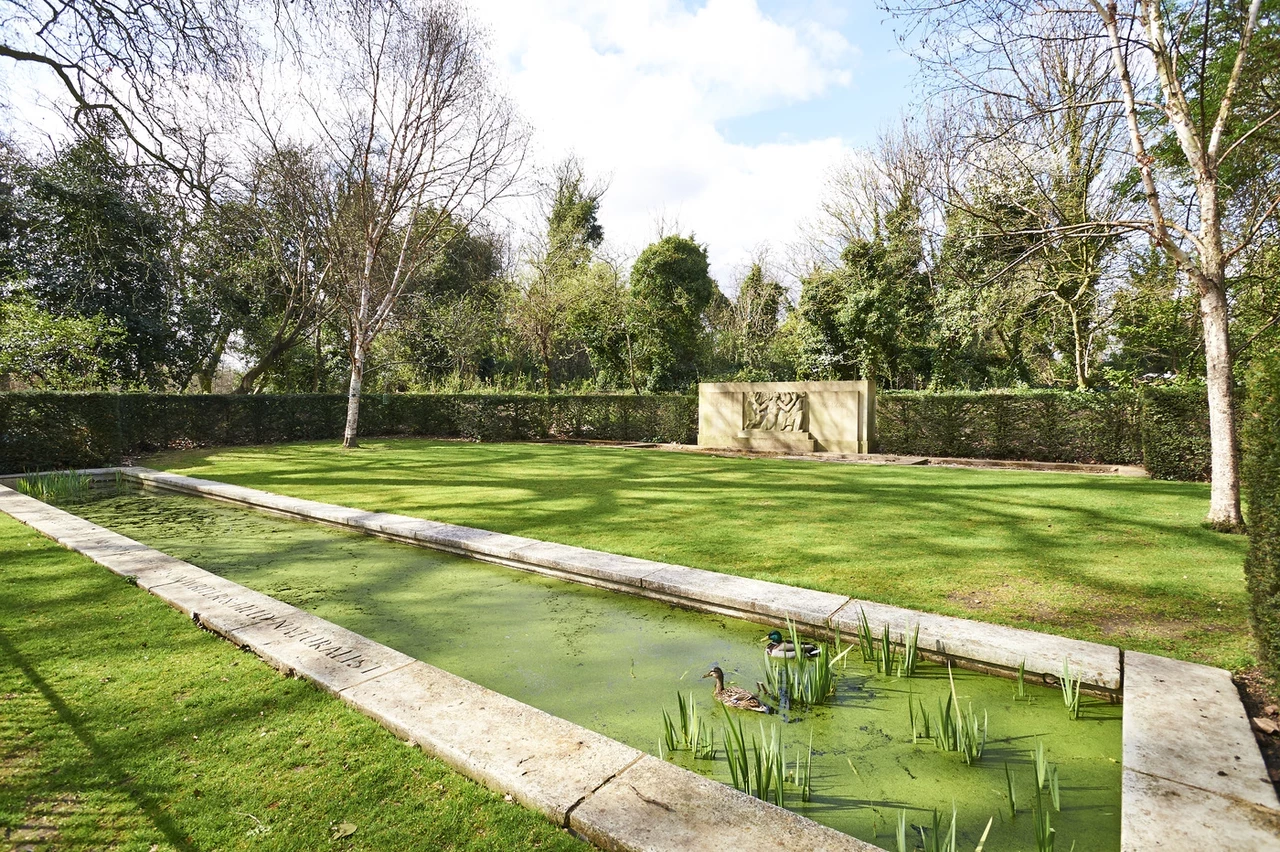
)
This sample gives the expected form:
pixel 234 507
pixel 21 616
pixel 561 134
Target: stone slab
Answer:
pixel 775 601
pixel 542 761
pixel 1184 723
pixel 1160 814
pixel 623 570
pixel 655 806
pixel 298 642
pixel 1005 647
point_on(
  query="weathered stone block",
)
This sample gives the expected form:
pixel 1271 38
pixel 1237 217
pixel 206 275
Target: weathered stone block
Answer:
pixel 654 806
pixel 1004 647
pixel 542 761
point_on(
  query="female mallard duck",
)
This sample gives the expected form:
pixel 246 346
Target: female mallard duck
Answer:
pixel 787 650
pixel 735 696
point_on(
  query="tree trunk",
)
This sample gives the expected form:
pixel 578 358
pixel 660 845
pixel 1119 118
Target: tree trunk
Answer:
pixel 1224 490
pixel 349 439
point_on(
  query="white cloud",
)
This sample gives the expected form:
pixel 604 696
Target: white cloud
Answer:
pixel 636 90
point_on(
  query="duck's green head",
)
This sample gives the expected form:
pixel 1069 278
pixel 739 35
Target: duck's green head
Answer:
pixel 775 636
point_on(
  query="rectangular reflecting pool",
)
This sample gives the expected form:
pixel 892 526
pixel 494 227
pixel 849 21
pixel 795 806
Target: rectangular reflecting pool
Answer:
pixel 614 662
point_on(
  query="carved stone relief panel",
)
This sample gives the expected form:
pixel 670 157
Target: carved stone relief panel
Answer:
pixel 780 411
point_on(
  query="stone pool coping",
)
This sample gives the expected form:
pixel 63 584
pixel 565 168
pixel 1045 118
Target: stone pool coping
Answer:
pixel 1193 776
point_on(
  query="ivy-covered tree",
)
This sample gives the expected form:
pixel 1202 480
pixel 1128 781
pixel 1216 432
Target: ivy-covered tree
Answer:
pixel 671 287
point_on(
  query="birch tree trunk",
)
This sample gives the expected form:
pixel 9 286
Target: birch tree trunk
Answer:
pixel 350 432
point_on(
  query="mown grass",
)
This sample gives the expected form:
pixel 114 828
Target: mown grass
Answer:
pixel 1119 560
pixel 124 726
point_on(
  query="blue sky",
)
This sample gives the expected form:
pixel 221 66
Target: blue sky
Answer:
pixel 721 116
pixel 880 87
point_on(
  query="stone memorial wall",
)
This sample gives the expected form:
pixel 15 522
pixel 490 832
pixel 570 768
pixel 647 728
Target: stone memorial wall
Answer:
pixel 801 417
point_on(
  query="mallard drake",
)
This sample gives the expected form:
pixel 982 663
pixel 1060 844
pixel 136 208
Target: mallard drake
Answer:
pixel 735 696
pixel 787 649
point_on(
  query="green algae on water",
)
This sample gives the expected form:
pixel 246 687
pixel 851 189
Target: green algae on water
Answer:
pixel 612 662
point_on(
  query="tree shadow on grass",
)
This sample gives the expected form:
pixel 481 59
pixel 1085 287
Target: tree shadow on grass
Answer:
pixel 102 757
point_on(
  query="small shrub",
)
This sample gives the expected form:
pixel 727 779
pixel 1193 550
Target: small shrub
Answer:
pixel 1261 442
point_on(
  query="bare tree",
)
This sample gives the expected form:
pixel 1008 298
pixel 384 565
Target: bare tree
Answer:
pixel 980 47
pixel 142 61
pixel 289 198
pixel 421 144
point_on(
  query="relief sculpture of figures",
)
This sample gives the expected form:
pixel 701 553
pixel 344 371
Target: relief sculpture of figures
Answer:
pixel 781 412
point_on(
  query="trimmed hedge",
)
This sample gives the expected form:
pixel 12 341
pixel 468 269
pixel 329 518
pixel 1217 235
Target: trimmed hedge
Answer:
pixel 1175 433
pixel 1260 434
pixel 1041 425
pixel 1165 429
pixel 43 431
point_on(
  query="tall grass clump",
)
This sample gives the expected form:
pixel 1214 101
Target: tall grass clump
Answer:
pixel 61 487
pixel 883 653
pixel 802 681
pixel 689 731
pixel 953 728
pixel 1070 690
pixel 757 768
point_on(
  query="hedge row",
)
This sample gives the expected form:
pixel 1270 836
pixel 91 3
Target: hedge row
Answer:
pixel 41 431
pixel 1261 441
pixel 1165 429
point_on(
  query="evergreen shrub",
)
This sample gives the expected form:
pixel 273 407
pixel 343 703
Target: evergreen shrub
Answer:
pixel 1032 425
pixel 46 431
pixel 1260 438
pixel 1175 433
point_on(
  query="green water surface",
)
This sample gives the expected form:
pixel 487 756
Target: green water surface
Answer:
pixel 612 662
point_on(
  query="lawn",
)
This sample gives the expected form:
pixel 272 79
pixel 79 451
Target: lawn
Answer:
pixel 122 726
pixel 1123 561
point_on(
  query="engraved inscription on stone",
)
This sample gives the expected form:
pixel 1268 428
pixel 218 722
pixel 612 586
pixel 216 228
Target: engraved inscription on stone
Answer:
pixel 783 411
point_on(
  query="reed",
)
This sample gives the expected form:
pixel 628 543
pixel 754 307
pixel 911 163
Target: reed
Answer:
pixel 802 681
pixel 689 731
pixel 60 487
pixel 1070 691
pixel 1020 685
pixel 866 640
pixel 1044 831
pixel 939 840
pixel 757 768
pixel 982 841
pixel 883 653
pixel 953 728
pixel 1011 787
pixel 886 653
pixel 910 655
pixel 902 831
pixel 802 776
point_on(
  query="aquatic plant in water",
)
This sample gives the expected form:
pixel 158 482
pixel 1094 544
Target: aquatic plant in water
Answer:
pixel 1070 691
pixel 758 768
pixel 689 731
pixel 1046 776
pixel 802 681
pixel 884 653
pixel 953 728
pixel 61 487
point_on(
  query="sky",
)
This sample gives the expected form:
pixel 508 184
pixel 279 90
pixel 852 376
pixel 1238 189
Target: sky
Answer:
pixel 717 118
pixel 720 117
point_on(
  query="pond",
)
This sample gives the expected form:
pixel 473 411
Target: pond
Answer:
pixel 613 662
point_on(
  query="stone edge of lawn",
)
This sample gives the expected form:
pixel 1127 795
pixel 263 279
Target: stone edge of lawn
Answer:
pixel 581 780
